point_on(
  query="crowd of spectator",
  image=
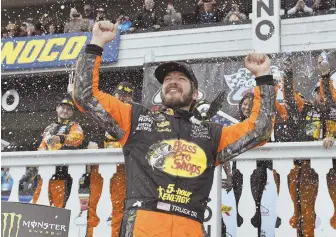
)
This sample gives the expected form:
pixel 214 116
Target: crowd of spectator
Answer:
pixel 149 17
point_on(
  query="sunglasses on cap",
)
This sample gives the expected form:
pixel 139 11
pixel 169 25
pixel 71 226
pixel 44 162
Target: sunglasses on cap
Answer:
pixel 67 102
pixel 125 88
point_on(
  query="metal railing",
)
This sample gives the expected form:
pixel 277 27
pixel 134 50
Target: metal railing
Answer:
pixel 282 155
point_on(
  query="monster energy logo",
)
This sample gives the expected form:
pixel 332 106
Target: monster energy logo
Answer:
pixel 9 222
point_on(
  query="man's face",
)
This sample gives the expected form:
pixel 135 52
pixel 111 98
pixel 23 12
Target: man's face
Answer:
pixel 149 4
pixel 100 14
pixel 208 7
pixel 52 29
pixel 87 10
pixel 301 4
pixel 23 27
pixel 177 90
pixel 11 32
pixel 246 107
pixel 317 97
pixel 64 111
pixel 124 98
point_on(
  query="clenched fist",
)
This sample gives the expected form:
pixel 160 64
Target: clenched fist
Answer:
pixel 323 65
pixel 328 142
pixel 258 63
pixel 103 32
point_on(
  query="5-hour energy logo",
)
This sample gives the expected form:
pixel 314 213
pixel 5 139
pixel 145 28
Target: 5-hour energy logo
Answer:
pixel 174 195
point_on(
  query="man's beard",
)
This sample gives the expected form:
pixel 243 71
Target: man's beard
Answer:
pixel 64 117
pixel 185 101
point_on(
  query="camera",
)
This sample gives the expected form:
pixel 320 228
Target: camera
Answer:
pixel 75 15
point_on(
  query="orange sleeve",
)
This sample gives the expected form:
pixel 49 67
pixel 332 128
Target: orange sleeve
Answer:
pixel 282 111
pixel 75 136
pixel 294 101
pixel 333 92
pixel 110 113
pixel 253 131
pixel 327 90
pixel 299 101
pixel 43 146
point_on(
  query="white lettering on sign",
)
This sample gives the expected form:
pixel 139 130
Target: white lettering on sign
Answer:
pixel 266 26
pixel 4 100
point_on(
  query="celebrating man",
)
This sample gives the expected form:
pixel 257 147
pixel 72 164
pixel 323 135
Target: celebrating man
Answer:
pixel 169 159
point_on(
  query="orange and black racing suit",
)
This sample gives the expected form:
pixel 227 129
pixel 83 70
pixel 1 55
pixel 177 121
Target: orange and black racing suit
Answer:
pixel 315 122
pixel 71 135
pixel 326 85
pixel 328 92
pixel 169 160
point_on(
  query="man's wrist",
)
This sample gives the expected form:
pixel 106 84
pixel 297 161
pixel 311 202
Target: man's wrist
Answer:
pixel 265 80
pixel 94 49
pixel 260 74
pixel 97 42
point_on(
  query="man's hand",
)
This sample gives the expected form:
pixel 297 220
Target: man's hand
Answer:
pixel 54 140
pixel 302 4
pixel 103 32
pixel 92 145
pixel 323 65
pixel 328 142
pixel 227 183
pixel 200 3
pixel 258 63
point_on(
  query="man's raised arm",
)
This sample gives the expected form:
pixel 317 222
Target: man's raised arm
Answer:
pixel 110 113
pixel 257 129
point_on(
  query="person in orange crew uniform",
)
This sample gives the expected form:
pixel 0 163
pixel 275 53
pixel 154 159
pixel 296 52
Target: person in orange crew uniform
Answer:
pixel 328 92
pixel 61 135
pixel 90 188
pixel 125 93
pixel 317 122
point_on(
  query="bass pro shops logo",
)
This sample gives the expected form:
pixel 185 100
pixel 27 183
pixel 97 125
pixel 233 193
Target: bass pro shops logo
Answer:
pixel 244 80
pixel 10 223
pixel 178 158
